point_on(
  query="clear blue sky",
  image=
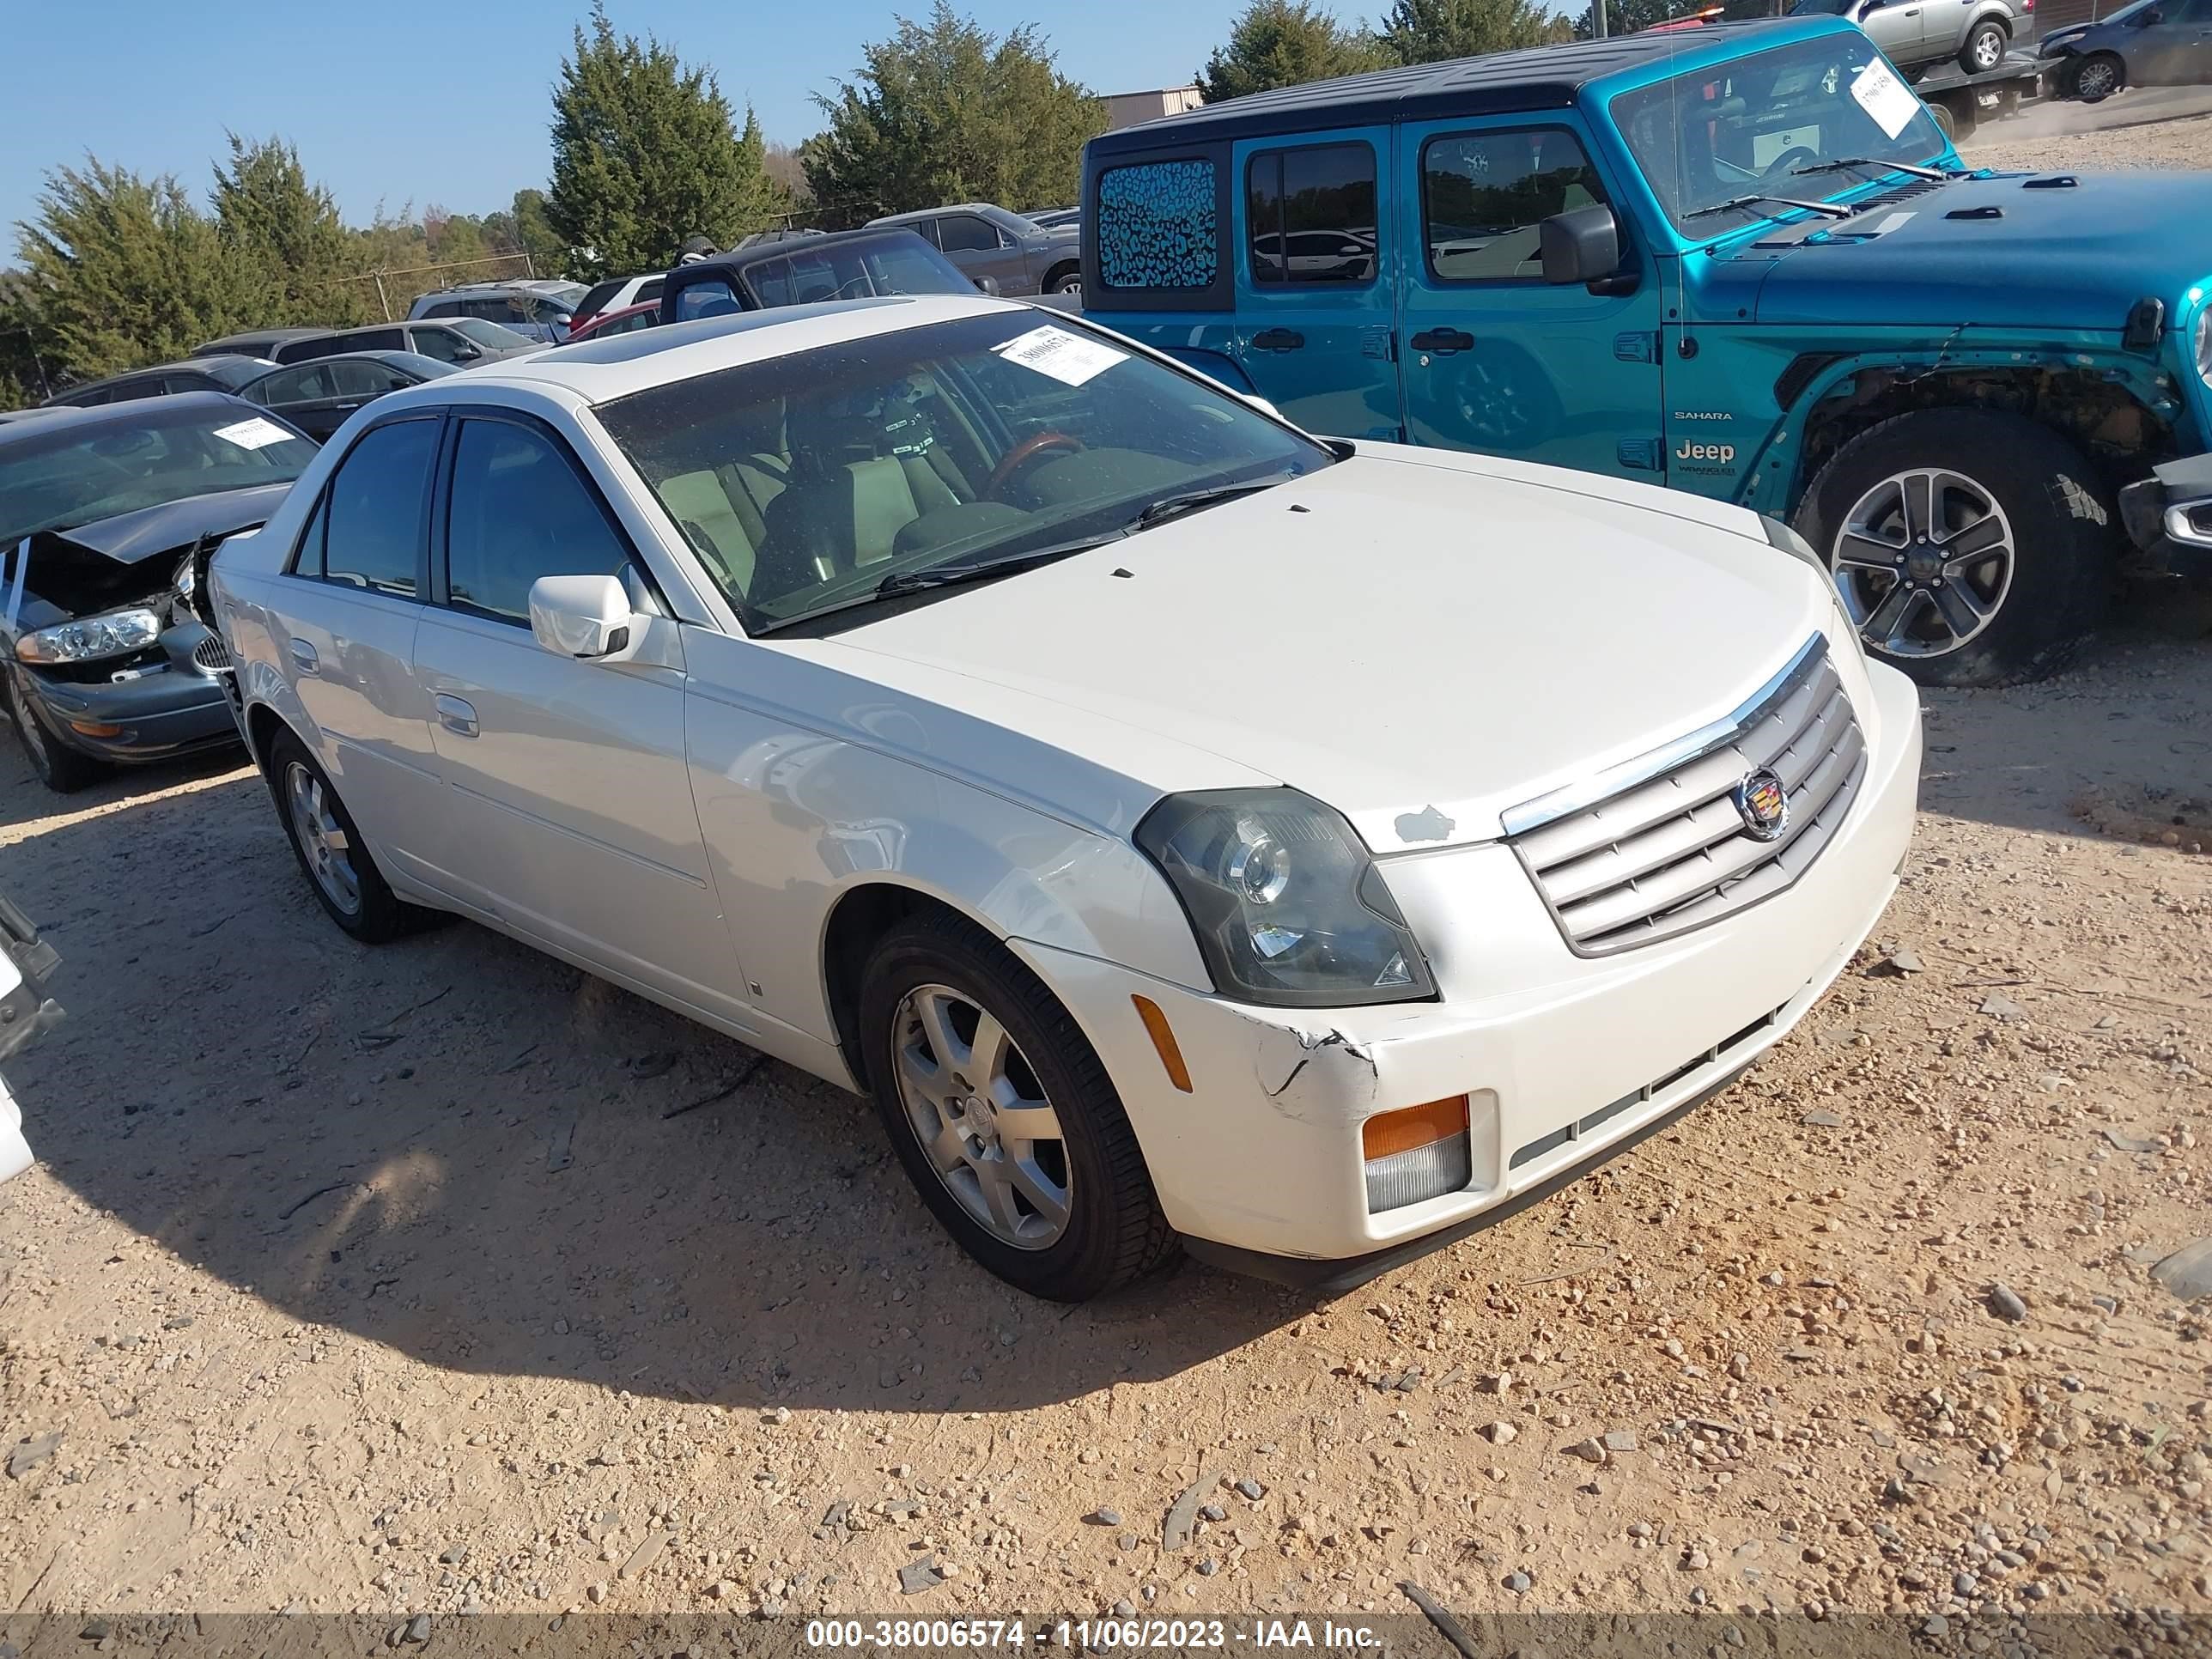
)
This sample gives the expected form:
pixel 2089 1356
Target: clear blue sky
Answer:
pixel 448 103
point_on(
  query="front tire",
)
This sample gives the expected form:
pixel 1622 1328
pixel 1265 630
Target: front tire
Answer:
pixel 1971 547
pixel 333 857
pixel 1064 279
pixel 62 769
pixel 1003 1115
pixel 2097 77
pixel 1985 49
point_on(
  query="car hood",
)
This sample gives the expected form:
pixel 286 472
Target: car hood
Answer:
pixel 1422 641
pixel 129 536
pixel 2075 256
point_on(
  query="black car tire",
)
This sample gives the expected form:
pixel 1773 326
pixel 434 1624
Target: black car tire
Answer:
pixel 2109 76
pixel 381 915
pixel 1114 1232
pixel 61 768
pixel 1064 279
pixel 2059 513
pixel 1982 33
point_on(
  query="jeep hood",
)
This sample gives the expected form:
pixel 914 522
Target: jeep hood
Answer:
pixel 1423 642
pixel 2049 256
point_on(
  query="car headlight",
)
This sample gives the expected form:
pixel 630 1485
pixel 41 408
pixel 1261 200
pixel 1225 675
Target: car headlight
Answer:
pixel 1287 905
pixel 112 634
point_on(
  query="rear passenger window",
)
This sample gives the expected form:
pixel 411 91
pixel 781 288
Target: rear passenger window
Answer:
pixel 1157 226
pixel 1309 214
pixel 517 512
pixel 1483 194
pixel 710 298
pixel 647 292
pixel 373 534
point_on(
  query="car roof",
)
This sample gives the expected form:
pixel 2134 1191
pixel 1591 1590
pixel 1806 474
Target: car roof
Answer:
pixel 40 422
pixel 409 360
pixel 244 335
pixel 190 365
pixel 738 257
pixel 598 371
pixel 1537 78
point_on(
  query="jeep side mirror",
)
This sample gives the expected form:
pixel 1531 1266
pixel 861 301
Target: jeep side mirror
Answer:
pixel 1583 244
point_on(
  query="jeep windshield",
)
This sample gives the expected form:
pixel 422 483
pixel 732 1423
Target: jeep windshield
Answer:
pixel 1728 133
pixel 908 463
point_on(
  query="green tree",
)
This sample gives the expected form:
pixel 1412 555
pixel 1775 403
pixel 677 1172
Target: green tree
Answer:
pixel 1431 31
pixel 645 154
pixel 1627 16
pixel 945 112
pixel 524 228
pixel 1284 43
pixel 129 271
pixel 284 236
pixel 24 373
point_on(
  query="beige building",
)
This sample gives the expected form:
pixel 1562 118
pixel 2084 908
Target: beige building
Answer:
pixel 1126 109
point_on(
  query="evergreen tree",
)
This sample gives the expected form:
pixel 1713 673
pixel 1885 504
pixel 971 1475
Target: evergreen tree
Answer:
pixel 645 154
pixel 284 236
pixel 1431 31
pixel 1284 43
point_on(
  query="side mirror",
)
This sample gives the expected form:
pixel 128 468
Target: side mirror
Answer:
pixel 988 285
pixel 1583 244
pixel 1872 5
pixel 587 617
pixel 464 352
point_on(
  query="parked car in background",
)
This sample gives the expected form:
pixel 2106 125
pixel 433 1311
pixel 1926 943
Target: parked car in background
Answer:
pixel 626 320
pixel 317 397
pixel 26 1010
pixel 944 639
pixel 853 265
pixel 193 374
pixel 1015 253
pixel 108 517
pixel 260 343
pixel 1055 218
pixel 2152 43
pixel 539 310
pixel 1974 33
pixel 1742 260
pixel 461 342
pixel 618 294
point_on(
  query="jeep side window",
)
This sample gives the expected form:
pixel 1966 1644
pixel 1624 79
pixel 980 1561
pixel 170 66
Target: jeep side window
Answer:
pixel 1483 195
pixel 1310 213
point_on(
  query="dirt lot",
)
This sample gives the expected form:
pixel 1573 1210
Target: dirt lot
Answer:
pixel 443 1277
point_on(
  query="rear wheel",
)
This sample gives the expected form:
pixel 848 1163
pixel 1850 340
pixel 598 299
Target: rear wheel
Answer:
pixel 62 769
pixel 2097 77
pixel 1985 49
pixel 1970 548
pixel 1004 1117
pixel 1064 279
pixel 350 888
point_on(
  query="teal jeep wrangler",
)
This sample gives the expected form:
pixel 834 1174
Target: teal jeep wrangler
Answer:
pixel 1741 261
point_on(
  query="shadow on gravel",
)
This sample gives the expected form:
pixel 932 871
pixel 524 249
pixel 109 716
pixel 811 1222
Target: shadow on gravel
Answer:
pixel 492 1162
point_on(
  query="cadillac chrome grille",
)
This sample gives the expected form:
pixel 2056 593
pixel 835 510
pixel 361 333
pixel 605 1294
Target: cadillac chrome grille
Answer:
pixel 1688 835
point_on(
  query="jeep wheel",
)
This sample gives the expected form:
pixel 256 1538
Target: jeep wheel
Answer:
pixel 1985 49
pixel 2097 77
pixel 1970 548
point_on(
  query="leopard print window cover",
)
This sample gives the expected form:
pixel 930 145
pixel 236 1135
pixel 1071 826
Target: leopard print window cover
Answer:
pixel 1156 226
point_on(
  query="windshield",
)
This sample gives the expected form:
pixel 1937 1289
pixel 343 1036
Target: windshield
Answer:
pixel 81 472
pixel 1714 135
pixel 494 335
pixel 892 265
pixel 804 482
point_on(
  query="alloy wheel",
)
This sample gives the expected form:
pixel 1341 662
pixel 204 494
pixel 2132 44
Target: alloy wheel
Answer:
pixel 323 839
pixel 2094 80
pixel 1988 49
pixel 1923 561
pixel 983 1121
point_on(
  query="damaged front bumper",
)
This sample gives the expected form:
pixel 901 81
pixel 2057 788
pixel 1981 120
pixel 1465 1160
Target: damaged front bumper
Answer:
pixel 173 703
pixel 2168 517
pixel 1563 1060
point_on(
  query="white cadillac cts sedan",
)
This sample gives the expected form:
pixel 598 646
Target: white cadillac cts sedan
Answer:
pixel 1190 832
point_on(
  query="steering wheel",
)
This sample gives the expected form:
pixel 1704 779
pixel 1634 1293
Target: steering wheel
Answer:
pixel 1783 165
pixel 1036 444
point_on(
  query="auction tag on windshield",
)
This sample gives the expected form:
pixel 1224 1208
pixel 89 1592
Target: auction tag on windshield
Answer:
pixel 1068 358
pixel 256 434
pixel 1886 97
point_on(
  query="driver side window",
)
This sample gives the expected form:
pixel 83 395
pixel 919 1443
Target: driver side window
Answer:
pixel 1483 195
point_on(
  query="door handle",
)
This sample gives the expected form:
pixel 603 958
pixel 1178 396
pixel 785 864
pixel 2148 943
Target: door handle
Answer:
pixel 1277 339
pixel 1443 341
pixel 456 715
pixel 304 658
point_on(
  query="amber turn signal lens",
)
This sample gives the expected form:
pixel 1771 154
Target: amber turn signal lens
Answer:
pixel 1163 1040
pixel 1414 1126
pixel 94 729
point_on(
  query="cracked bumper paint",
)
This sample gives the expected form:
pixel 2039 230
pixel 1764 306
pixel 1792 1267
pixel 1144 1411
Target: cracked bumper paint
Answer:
pixel 1264 1155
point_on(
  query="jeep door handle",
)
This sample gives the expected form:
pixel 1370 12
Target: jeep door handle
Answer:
pixel 1277 339
pixel 304 658
pixel 457 716
pixel 1443 341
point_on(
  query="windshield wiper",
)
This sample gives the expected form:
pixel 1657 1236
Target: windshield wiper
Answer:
pixel 952 576
pixel 1830 210
pixel 1191 500
pixel 1839 164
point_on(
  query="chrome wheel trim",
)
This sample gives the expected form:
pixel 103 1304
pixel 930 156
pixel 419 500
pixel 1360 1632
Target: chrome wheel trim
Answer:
pixel 1925 560
pixel 323 839
pixel 981 1119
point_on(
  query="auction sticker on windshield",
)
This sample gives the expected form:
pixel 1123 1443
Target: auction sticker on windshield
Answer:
pixel 1886 97
pixel 256 434
pixel 1068 358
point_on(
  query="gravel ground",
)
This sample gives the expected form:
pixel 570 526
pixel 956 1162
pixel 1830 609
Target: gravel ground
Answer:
pixel 2168 144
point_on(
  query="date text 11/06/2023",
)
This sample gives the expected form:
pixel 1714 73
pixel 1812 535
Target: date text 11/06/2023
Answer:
pixel 1091 1634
